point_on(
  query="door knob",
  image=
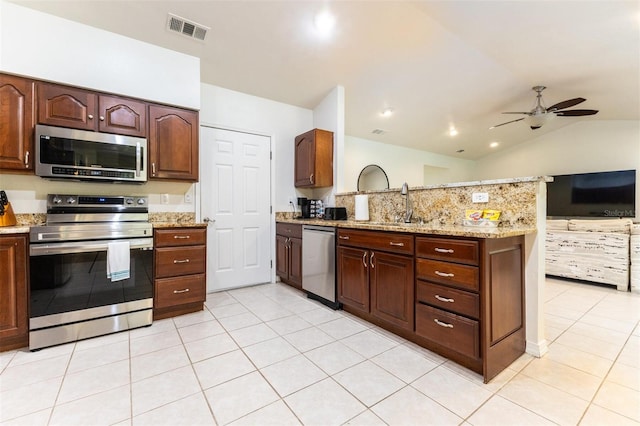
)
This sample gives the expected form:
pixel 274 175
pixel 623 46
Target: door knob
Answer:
pixel 208 221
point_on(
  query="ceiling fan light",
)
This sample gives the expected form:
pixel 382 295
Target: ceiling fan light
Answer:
pixel 538 120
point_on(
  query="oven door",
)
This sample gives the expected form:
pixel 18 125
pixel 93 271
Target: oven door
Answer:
pixel 70 290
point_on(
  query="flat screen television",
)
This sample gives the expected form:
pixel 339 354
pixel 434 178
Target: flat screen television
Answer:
pixel 603 194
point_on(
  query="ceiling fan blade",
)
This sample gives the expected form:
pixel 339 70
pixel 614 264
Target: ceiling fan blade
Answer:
pixel 512 112
pixel 565 104
pixel 576 112
pixel 512 121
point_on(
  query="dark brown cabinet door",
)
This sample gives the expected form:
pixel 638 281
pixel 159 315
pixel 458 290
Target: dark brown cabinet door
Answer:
pixel 353 278
pixel 314 159
pixel 16 123
pixel 67 107
pixel 295 262
pixel 392 284
pixel 282 257
pixel 122 116
pixel 14 314
pixel 173 143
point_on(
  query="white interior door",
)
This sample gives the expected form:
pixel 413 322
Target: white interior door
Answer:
pixel 235 188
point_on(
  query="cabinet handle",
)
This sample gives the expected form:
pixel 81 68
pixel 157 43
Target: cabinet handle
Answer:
pixel 181 261
pixel 396 244
pixel 90 116
pixel 181 237
pixel 311 178
pixel 287 243
pixel 344 237
pixel 444 274
pixel 442 324
pixel 101 118
pixel 153 169
pixel 371 260
pixel 441 250
pixel 26 159
pixel 186 290
pixel 443 299
pixel 364 259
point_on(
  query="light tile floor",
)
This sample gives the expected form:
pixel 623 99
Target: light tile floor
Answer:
pixel 266 355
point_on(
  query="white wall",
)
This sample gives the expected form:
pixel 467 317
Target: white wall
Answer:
pixel 401 164
pixel 47 47
pixel 329 115
pixel 582 147
pixel 228 109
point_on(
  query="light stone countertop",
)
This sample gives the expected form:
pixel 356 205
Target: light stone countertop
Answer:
pixel 416 228
pixel 11 230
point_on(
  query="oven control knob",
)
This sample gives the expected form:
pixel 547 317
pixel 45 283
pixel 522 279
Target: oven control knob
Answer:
pixel 128 200
pixel 140 201
pixel 71 200
pixel 56 200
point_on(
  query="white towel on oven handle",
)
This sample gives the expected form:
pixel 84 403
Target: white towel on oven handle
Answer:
pixel 118 260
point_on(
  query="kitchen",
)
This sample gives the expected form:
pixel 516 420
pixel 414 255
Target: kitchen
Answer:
pixel 215 109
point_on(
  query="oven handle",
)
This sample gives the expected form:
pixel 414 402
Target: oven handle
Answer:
pixel 85 246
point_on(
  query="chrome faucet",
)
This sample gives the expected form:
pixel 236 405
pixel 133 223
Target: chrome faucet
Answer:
pixel 408 212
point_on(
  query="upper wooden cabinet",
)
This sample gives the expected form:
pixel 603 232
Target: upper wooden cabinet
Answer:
pixel 16 123
pixel 83 109
pixel 173 143
pixel 314 159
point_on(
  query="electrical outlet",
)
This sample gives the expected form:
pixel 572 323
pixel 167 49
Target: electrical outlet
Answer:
pixel 188 198
pixel 480 197
pixel 164 199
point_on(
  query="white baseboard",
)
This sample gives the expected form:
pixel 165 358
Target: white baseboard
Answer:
pixel 537 349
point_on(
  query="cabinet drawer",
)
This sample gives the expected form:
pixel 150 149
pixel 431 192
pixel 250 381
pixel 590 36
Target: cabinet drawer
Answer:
pixel 289 230
pixel 451 299
pixel 180 237
pixel 452 250
pixel 448 273
pixel 450 330
pixel 178 291
pixel 172 262
pixel 373 240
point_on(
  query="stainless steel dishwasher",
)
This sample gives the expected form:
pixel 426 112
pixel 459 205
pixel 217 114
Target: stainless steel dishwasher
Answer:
pixel 319 264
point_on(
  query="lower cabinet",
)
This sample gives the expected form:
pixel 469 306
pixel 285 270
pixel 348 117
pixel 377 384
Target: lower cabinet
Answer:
pixel 289 254
pixel 179 271
pixel 376 275
pixel 460 297
pixel 14 292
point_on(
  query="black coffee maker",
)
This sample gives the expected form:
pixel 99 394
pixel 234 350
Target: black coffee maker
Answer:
pixel 305 208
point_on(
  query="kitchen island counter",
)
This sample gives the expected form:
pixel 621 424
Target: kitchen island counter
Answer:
pixel 418 228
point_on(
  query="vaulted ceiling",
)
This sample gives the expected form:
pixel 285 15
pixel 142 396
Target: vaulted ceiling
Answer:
pixel 437 64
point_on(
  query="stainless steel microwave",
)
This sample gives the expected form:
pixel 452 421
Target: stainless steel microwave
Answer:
pixel 82 155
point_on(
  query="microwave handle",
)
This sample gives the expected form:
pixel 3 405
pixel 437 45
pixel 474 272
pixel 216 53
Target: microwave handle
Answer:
pixel 138 158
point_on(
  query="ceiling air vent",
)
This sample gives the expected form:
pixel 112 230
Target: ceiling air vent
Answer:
pixel 186 28
pixel 378 132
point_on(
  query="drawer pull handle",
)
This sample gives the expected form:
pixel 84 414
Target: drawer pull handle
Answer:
pixel 344 237
pixel 181 261
pixel 186 290
pixel 181 237
pixel 396 244
pixel 441 250
pixel 444 274
pixel 442 324
pixel 443 299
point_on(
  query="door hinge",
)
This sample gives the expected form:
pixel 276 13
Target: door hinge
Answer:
pixel 270 209
pixel 271 264
pixel 270 155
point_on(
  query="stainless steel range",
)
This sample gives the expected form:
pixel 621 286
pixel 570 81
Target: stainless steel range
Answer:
pixel 72 297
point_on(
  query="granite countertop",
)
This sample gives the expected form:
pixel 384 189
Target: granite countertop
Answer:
pixel 10 230
pixel 159 225
pixel 417 228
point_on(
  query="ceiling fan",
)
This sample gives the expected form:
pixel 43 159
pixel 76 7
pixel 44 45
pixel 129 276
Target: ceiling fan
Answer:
pixel 539 115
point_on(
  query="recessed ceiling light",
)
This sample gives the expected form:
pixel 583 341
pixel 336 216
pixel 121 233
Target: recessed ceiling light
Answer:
pixel 453 131
pixel 387 112
pixel 324 23
pixel 494 144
